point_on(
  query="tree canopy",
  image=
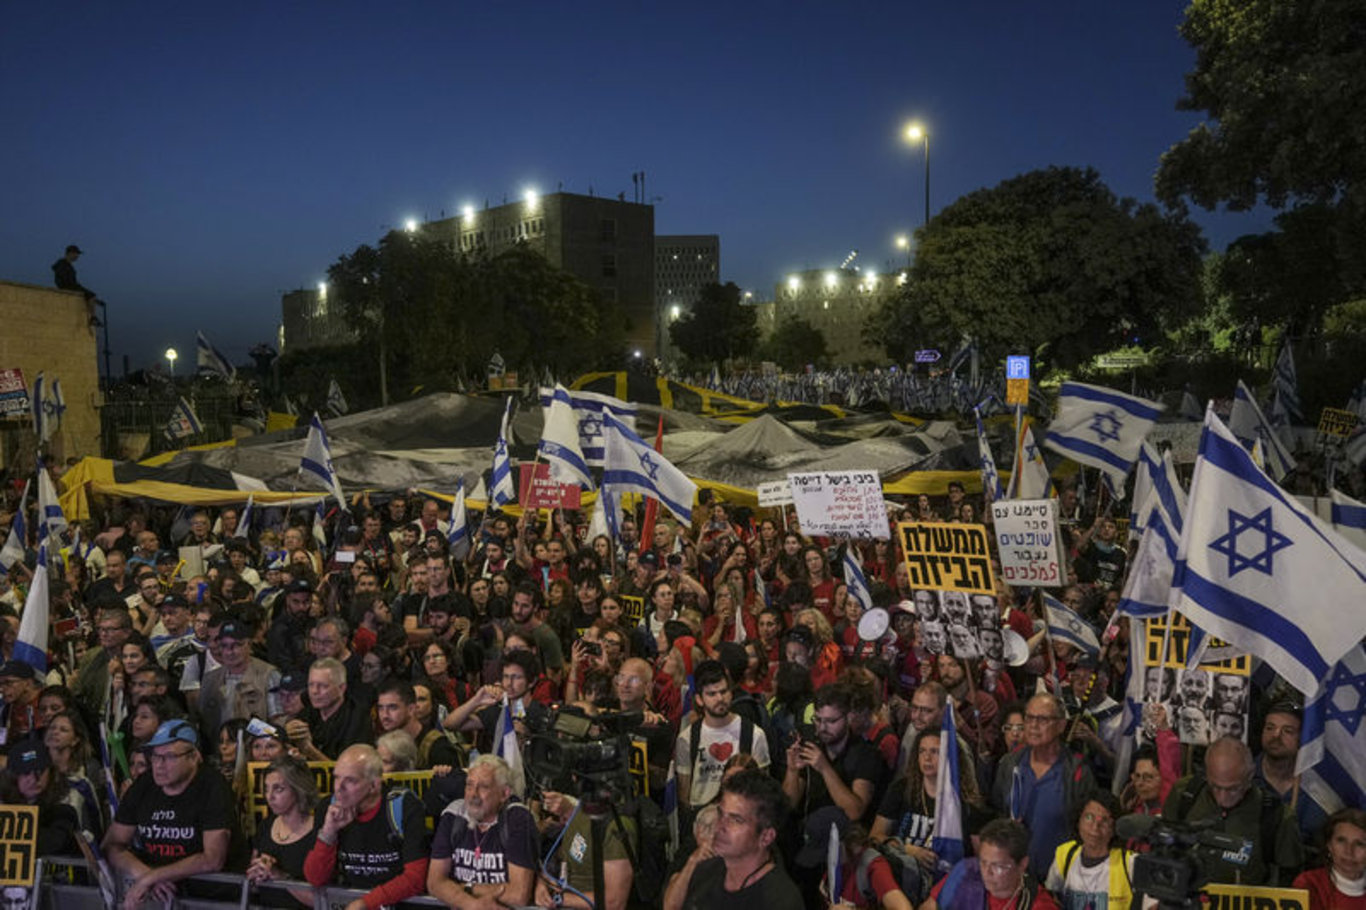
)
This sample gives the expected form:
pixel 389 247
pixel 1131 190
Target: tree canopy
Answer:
pixel 794 344
pixel 1051 258
pixel 718 327
pixel 439 315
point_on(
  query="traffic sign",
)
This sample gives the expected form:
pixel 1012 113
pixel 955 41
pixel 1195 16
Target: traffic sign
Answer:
pixel 927 355
pixel 1017 366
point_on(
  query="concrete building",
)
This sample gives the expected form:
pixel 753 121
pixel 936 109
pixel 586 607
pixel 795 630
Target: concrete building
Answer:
pixel 309 321
pixel 684 264
pixel 608 243
pixel 837 302
pixel 46 330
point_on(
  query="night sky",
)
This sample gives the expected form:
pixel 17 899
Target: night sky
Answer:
pixel 209 157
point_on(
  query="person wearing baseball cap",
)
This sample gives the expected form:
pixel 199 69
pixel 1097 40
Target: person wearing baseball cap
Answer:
pixel 36 784
pixel 287 639
pixel 64 276
pixel 20 685
pixel 240 687
pixel 173 823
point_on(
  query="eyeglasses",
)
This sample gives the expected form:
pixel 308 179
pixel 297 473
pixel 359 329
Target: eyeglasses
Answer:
pixel 1146 776
pixel 921 710
pixel 436 656
pixel 161 758
pixel 1041 719
pixel 1012 728
pixel 999 868
pixel 103 629
pixel 1095 819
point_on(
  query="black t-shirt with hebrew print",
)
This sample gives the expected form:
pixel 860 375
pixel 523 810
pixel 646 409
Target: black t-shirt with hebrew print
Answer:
pixel 169 828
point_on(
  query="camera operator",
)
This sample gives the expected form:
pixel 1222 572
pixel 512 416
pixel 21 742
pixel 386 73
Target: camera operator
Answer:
pixel 574 859
pixel 1229 799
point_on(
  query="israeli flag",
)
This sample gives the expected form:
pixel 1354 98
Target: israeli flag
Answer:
pixel 588 409
pixel 31 645
pixel 560 442
pixel 854 579
pixel 1101 428
pixel 1287 384
pixel 671 807
pixel 1349 518
pixel 1066 624
pixel 458 533
pixel 991 479
pixel 631 466
pixel 336 401
pixel 506 747
pixel 1258 570
pixel 1332 760
pixel 947 842
pixel 209 359
pixel 244 520
pixel 320 524
pixel 42 406
pixel 317 460
pixel 1149 583
pixel 832 863
pixel 58 404
pixel 504 491
pixel 1190 406
pixel 51 520
pixel 16 544
pixel 1250 425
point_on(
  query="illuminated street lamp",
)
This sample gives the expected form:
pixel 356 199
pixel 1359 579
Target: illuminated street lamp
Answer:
pixel 410 225
pixel 915 132
pixel 171 356
pixel 903 242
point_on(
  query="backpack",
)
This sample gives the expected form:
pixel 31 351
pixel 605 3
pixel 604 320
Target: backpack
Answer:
pixel 651 864
pixel 905 870
pixel 782 727
pixel 746 705
pixel 461 823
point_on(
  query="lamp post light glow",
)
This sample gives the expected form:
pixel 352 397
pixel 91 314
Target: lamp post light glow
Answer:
pixel 322 289
pixel 171 356
pixel 675 311
pixel 831 279
pixel 916 132
pixel 533 199
pixel 410 225
pixel 794 284
pixel 468 212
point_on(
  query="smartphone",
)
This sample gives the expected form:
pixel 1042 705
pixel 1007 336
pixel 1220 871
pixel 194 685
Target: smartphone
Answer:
pixel 591 647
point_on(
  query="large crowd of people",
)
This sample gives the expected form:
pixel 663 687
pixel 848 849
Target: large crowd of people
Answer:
pixel 764 709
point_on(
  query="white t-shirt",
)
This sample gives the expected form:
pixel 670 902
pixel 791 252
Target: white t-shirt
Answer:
pixel 714 748
pixel 1085 888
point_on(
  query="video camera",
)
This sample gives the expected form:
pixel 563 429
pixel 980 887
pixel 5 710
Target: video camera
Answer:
pixel 1172 872
pixel 573 752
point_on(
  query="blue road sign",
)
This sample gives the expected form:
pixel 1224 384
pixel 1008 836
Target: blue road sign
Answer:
pixel 928 355
pixel 1017 367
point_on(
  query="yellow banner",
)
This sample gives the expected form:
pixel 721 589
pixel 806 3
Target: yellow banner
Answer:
pixel 947 557
pixel 1242 897
pixel 417 781
pixel 18 845
pixel 1177 644
pixel 640 767
pixel 633 608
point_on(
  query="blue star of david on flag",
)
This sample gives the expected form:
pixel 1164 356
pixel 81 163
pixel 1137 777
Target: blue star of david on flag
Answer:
pixel 590 426
pixel 1341 706
pixel 1272 542
pixel 1106 425
pixel 649 466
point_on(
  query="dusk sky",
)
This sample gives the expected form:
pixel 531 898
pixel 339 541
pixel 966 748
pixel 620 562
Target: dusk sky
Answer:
pixel 208 157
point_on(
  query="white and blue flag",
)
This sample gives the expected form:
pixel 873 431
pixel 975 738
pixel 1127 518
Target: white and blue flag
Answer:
pixel 1066 624
pixel 1249 425
pixel 588 409
pixel 632 466
pixel 37 401
pixel 854 579
pixel 1331 764
pixel 1101 428
pixel 51 519
pixel 504 490
pixel 317 460
pixel 1349 517
pixel 506 747
pixel 1287 384
pixel 336 401
pixel 458 533
pixel 1029 475
pixel 244 520
pixel 184 422
pixel 1161 515
pixel 208 359
pixel 947 842
pixel 1258 570
pixel 16 544
pixel 991 478
pixel 560 441
pixel 31 645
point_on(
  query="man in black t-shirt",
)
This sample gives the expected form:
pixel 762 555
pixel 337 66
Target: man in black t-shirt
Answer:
pixel 333 720
pixel 840 769
pixel 485 847
pixel 365 840
pixel 175 822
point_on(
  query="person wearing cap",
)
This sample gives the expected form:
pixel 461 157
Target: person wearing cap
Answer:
pixel 20 685
pixel 742 869
pixel 241 686
pixel 175 823
pixel 287 640
pixel 289 697
pixel 356 845
pixel 29 781
pixel 173 627
pixel 64 277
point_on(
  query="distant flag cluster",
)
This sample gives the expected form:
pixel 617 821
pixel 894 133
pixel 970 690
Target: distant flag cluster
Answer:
pixel 208 359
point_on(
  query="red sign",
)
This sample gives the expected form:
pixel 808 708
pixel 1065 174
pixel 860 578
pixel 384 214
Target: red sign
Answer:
pixel 13 393
pixel 545 493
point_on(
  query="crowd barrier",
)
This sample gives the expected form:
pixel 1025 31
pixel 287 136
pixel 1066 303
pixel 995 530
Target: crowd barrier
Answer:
pixel 54 894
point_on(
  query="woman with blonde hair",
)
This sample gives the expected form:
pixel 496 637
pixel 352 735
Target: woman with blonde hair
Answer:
pixel 827 659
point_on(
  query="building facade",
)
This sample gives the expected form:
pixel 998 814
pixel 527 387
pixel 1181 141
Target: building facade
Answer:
pixel 684 264
pixel 310 320
pixel 838 302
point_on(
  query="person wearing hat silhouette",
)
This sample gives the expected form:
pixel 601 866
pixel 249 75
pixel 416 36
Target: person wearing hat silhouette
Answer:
pixel 30 781
pixel 240 687
pixel 64 276
pixel 174 823
pixel 20 686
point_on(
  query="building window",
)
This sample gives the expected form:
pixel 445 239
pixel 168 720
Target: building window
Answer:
pixel 609 265
pixel 607 229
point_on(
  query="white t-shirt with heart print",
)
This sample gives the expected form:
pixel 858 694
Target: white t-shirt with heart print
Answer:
pixel 715 747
